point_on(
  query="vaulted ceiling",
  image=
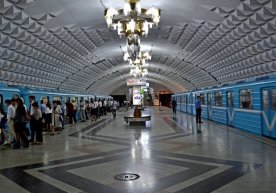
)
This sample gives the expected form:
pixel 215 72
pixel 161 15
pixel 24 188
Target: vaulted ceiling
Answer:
pixel 66 45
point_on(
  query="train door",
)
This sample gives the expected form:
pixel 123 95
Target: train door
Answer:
pixel 230 109
pixel 186 103
pixel 269 112
pixel 209 105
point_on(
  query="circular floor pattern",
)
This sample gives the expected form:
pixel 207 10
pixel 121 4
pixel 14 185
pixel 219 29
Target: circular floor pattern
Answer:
pixel 127 177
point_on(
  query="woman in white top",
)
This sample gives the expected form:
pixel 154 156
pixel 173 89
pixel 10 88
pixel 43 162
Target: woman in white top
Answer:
pixel 56 118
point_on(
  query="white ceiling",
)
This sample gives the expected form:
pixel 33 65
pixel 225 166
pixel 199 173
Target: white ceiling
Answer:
pixel 66 45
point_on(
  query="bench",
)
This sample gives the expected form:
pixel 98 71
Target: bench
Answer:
pixel 137 120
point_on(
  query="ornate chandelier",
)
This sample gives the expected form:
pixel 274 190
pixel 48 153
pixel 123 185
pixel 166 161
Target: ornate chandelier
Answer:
pixel 138 71
pixel 132 19
pixel 141 59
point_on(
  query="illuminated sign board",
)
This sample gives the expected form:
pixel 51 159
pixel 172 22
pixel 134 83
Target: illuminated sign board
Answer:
pixel 136 82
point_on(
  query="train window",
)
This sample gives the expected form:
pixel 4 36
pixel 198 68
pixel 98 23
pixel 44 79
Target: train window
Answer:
pixel 273 99
pixel 230 99
pixel 209 98
pixel 246 99
pixel 265 99
pixel 218 99
pixel 202 98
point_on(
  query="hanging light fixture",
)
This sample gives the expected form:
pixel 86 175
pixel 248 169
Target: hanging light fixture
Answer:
pixel 132 19
pixel 140 59
pixel 138 71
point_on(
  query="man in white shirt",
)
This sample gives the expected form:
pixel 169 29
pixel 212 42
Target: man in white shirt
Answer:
pixel 11 104
pixel 114 109
pixel 104 106
pixel 100 108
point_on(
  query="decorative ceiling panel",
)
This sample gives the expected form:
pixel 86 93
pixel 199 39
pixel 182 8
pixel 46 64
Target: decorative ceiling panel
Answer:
pixel 66 45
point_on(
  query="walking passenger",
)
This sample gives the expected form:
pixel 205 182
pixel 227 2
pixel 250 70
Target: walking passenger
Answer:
pixel 11 104
pixel 20 124
pixel 37 124
pixel 174 105
pixel 114 109
pixel 198 110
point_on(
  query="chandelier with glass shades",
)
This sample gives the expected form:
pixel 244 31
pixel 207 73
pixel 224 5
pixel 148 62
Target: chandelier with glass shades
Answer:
pixel 141 59
pixel 138 71
pixel 132 19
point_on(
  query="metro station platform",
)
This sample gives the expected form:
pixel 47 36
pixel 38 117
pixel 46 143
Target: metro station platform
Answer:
pixel 169 154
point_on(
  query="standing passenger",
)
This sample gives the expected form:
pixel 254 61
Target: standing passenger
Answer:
pixel 48 117
pixel 37 124
pixel 20 124
pixel 31 112
pixel 3 120
pixel 75 107
pixel 43 111
pixel 70 111
pixel 56 118
pixel 10 118
pixel 198 110
pixel 82 111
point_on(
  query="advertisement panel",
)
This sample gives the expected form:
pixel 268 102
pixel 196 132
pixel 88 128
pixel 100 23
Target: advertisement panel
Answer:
pixel 137 95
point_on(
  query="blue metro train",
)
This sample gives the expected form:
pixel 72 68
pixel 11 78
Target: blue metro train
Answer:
pixel 7 92
pixel 249 106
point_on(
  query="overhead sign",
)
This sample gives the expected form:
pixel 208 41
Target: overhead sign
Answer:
pixel 136 82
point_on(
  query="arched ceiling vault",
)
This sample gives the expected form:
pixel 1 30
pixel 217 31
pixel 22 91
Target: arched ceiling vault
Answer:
pixel 66 45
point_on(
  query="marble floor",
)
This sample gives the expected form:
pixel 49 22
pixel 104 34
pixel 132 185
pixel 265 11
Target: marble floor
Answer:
pixel 170 154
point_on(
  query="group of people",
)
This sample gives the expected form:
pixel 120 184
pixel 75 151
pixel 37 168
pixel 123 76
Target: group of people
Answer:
pixel 21 126
pixel 197 108
pixel 94 109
